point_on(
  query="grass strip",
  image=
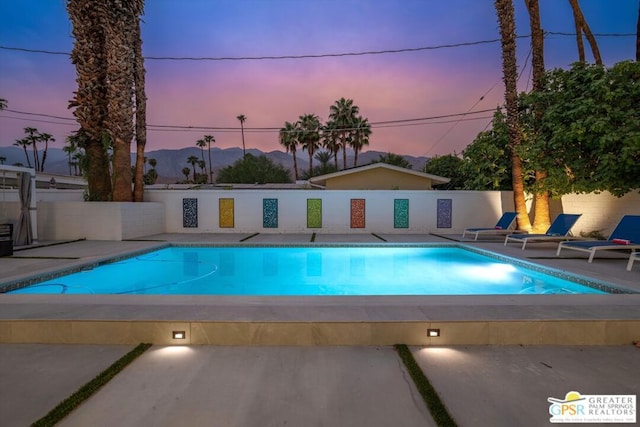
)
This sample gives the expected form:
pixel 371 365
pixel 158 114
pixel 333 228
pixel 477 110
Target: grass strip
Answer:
pixel 83 393
pixel 249 237
pixel 438 411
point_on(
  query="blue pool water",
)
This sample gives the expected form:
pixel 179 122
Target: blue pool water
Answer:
pixel 309 271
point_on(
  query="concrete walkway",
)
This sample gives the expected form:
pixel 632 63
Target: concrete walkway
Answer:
pixel 307 386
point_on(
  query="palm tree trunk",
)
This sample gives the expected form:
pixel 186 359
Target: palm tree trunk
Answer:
pixel 541 218
pixel 295 164
pixel 120 55
pixel 506 19
pixel 140 112
pixel 88 56
pixel 579 17
pixel 210 166
pixel 355 158
pixel 638 36
pixel 36 159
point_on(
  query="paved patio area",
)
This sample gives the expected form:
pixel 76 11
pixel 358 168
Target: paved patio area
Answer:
pixel 198 385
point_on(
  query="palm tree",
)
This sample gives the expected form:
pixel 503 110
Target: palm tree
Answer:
pixel 24 143
pixel 140 97
pixel 506 20
pixel 89 57
pixel 201 143
pixel 209 139
pixel 541 217
pixel 288 136
pixel 193 161
pixel 153 163
pixel 2 160
pixel 394 160
pixel 186 172
pixel 3 104
pixel 46 138
pixel 330 141
pixel 33 136
pixel 360 136
pixel 242 119
pixel 309 136
pixel 581 25
pixel 341 117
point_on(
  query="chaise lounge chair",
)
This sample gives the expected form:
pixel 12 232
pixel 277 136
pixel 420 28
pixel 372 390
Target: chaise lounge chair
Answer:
pixel 626 236
pixel 501 227
pixel 635 256
pixel 559 230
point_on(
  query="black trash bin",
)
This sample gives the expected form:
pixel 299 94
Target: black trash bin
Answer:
pixel 6 239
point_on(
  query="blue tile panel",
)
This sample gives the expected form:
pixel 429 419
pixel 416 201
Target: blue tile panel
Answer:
pixel 270 213
pixel 401 213
pixel 190 213
pixel 444 213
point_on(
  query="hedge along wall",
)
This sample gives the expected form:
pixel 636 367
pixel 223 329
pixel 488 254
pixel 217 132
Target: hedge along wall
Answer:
pixel 328 211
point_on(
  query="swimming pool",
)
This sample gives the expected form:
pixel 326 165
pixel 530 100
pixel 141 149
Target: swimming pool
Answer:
pixel 310 270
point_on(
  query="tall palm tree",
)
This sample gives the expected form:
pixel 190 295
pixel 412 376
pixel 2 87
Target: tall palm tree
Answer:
pixel 70 148
pixel 330 141
pixel 209 139
pixel 46 138
pixel 309 125
pixel 242 119
pixel 360 136
pixel 186 172
pixel 342 114
pixel 541 217
pixel 637 37
pixel 288 137
pixel 193 161
pixel 581 25
pixel 32 138
pixel 89 57
pixel 506 21
pixel 201 143
pixel 140 97
pixel 24 143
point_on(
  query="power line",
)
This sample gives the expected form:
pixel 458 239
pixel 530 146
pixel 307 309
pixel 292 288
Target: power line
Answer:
pixel 379 124
pixel 322 55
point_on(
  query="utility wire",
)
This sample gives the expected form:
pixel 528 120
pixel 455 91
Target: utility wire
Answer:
pixel 323 55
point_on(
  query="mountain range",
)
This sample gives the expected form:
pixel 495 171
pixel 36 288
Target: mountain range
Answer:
pixel 171 162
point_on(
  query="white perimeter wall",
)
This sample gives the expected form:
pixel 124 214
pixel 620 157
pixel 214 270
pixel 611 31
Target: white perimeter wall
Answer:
pixel 63 215
pixel 468 208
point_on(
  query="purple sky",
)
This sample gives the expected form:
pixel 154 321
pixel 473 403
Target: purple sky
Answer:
pixel 386 87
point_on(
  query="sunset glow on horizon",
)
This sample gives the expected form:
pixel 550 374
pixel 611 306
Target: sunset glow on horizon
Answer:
pixel 385 86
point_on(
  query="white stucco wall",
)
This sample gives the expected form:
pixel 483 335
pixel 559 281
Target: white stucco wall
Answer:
pixel 99 220
pixel 469 207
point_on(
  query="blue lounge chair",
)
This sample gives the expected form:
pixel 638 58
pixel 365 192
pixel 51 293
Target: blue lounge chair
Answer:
pixel 626 236
pixel 635 256
pixel 559 230
pixel 501 227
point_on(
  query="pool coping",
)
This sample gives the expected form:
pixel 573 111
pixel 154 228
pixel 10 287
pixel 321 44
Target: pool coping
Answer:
pixel 485 319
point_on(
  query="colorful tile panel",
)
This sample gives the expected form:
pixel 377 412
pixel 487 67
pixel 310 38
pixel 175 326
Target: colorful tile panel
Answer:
pixel 358 213
pixel 226 213
pixel 401 213
pixel 444 213
pixel 270 213
pixel 314 213
pixel 190 213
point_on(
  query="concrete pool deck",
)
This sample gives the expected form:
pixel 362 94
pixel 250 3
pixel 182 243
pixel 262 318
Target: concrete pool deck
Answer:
pixel 204 385
pixel 228 320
